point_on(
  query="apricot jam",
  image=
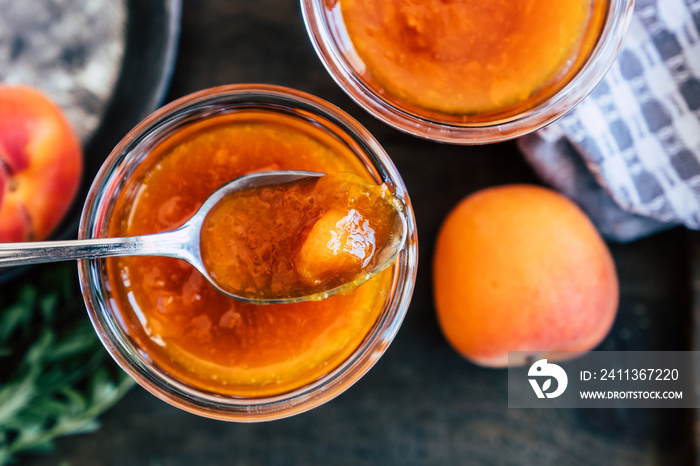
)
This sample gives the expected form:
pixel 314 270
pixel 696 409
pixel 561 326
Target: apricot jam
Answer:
pixel 471 57
pixel 194 332
pixel 296 239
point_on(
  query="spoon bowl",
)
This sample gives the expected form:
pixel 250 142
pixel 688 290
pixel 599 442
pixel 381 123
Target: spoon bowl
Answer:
pixel 184 242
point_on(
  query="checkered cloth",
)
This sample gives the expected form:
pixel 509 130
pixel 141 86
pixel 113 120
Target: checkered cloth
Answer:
pixel 629 154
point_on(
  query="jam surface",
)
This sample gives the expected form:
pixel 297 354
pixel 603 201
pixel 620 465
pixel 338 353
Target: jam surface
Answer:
pixel 194 332
pixel 471 56
pixel 298 238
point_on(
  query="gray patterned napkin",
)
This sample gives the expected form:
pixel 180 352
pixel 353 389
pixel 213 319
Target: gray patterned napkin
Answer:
pixel 629 153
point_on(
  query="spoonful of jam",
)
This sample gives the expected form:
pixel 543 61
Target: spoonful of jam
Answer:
pixel 266 237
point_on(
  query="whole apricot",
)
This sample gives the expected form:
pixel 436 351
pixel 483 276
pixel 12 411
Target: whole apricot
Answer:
pixel 521 268
pixel 40 164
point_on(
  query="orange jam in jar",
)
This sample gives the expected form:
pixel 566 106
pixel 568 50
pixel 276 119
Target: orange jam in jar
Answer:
pixel 193 332
pixel 474 58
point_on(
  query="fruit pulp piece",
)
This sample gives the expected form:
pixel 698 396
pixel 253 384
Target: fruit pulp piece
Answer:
pixel 340 242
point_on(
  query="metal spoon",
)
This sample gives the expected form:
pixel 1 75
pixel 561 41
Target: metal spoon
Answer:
pixel 184 242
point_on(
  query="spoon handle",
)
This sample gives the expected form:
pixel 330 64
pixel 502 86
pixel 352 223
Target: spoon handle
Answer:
pixel 38 252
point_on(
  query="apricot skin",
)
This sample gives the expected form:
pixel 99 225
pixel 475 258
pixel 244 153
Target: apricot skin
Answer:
pixel 40 164
pixel 521 268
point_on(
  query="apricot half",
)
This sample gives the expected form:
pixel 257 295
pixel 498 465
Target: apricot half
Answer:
pixel 521 268
pixel 340 242
pixel 40 164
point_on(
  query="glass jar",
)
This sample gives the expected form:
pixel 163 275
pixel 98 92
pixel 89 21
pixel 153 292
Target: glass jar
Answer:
pixel 111 312
pixel 332 41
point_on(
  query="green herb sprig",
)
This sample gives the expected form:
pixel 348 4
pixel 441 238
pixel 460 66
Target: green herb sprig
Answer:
pixel 55 376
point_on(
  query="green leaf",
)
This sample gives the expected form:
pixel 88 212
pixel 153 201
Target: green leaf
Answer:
pixel 40 350
pixel 47 306
pixel 37 412
pixel 77 400
pixel 79 342
pixel 16 396
pixel 17 316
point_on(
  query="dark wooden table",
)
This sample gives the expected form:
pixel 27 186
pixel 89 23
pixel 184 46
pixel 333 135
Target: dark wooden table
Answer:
pixel 422 403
